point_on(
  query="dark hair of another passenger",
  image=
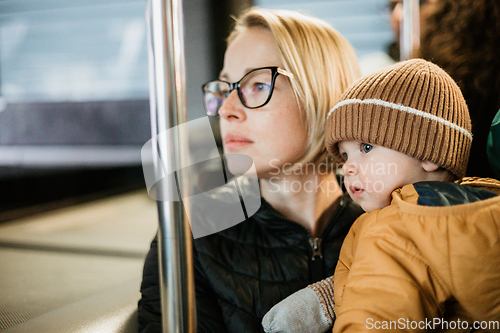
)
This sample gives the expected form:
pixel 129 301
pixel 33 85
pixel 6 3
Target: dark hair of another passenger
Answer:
pixel 463 37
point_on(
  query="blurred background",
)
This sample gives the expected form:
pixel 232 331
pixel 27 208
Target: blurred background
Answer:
pixel 75 218
pixel 74 108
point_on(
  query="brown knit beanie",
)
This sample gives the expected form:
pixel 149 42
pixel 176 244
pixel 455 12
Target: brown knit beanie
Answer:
pixel 413 107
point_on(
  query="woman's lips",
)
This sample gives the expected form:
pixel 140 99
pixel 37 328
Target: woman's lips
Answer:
pixel 235 141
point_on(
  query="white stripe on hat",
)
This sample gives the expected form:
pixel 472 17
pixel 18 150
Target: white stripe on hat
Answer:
pixel 404 109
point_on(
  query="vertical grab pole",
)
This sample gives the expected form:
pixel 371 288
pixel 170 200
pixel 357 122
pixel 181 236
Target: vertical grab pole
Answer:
pixel 168 109
pixel 410 28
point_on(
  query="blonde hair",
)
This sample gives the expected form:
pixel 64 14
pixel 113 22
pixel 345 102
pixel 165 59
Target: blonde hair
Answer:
pixel 322 61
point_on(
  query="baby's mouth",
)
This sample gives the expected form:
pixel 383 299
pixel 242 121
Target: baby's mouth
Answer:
pixel 355 190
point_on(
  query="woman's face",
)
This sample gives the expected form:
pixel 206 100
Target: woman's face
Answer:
pixel 273 135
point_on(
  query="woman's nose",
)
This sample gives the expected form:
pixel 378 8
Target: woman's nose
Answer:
pixel 232 109
pixel 349 168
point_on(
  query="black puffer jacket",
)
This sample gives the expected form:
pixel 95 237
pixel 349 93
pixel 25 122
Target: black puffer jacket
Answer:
pixel 241 272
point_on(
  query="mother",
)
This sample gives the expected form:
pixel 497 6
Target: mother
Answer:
pixel 302 66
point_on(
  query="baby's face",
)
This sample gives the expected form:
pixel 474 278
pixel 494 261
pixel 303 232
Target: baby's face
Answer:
pixel 372 172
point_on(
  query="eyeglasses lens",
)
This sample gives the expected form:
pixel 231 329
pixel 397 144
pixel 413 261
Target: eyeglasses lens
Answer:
pixel 255 88
pixel 215 94
pixel 254 91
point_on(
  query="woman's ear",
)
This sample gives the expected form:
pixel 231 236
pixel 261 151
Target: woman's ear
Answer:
pixel 429 166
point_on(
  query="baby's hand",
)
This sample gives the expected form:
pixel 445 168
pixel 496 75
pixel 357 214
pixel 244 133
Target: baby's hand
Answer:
pixel 300 312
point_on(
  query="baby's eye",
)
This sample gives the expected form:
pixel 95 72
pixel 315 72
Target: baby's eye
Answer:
pixel 366 148
pixel 344 156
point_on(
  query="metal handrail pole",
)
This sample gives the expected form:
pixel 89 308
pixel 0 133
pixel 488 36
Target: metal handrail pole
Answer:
pixel 410 28
pixel 168 110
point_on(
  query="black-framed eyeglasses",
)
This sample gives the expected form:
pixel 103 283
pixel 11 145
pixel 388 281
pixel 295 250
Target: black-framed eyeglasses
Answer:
pixel 254 89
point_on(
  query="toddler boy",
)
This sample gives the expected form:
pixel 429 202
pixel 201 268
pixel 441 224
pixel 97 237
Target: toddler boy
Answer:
pixel 426 255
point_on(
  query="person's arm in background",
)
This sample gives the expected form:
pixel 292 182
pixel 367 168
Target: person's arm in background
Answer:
pixel 209 315
pixel 493 149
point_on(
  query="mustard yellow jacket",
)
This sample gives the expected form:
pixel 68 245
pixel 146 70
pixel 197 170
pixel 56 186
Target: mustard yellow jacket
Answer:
pixel 428 262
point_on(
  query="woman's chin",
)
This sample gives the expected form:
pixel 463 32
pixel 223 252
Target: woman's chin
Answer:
pixel 240 164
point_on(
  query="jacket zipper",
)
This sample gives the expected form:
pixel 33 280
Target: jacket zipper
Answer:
pixel 317 267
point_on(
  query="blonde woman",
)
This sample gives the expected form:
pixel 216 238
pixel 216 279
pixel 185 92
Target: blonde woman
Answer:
pixel 283 71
